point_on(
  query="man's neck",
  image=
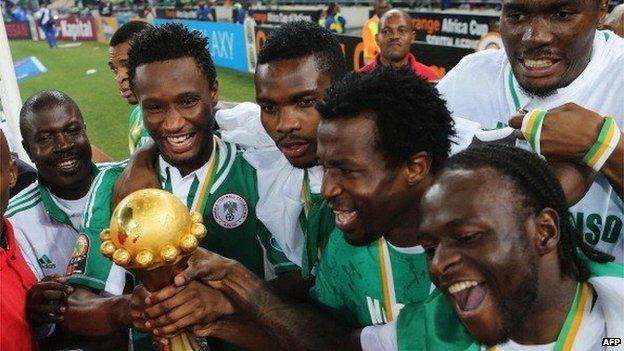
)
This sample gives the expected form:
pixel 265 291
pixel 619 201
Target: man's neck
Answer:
pixel 544 322
pixel 403 233
pixel 74 192
pixel 394 64
pixel 201 159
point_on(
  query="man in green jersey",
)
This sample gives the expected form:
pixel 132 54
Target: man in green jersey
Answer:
pixel 379 156
pixel 174 80
pixel 117 61
pixel 512 273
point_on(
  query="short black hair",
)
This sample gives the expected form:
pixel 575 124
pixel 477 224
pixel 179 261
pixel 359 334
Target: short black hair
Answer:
pixel 127 32
pixel 300 39
pixel 41 101
pixel 409 114
pixel 539 188
pixel 169 42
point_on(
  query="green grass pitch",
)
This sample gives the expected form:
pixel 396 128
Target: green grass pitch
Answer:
pixel 105 112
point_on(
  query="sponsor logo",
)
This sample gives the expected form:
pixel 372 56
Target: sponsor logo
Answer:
pixel 230 211
pixel 46 263
pixel 78 260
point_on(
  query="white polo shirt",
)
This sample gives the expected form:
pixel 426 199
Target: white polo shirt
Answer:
pixel 482 88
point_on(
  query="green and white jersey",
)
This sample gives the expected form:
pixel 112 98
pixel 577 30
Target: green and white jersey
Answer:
pixel 594 316
pixel 367 285
pixel 482 88
pixel 137 134
pixel 46 226
pixel 229 215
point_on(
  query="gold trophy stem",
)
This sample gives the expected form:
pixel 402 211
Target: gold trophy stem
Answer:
pixel 156 279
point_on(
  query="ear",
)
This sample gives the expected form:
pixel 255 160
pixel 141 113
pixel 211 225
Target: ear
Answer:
pixel 418 168
pixel 214 93
pixel 377 38
pixel 547 231
pixel 12 173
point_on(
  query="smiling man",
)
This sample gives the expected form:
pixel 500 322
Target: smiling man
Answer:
pixel 508 266
pixel 117 61
pixel 553 56
pixel 47 215
pixel 395 38
pixel 174 79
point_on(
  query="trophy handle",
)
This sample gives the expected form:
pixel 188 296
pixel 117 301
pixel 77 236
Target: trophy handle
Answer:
pixel 183 342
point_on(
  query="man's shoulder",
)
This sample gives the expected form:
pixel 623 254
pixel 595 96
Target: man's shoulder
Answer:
pixel 24 202
pixel 478 65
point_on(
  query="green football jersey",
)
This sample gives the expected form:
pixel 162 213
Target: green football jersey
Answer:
pixel 137 134
pixel 351 282
pixel 229 216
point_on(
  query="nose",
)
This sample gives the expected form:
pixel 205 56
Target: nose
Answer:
pixel 174 121
pixel 444 260
pixel 63 142
pixel 121 75
pixel 287 121
pixel 537 33
pixel 330 187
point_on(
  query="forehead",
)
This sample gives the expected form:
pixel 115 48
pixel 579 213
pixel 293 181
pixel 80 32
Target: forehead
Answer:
pixel 395 19
pixel 168 78
pixel 120 50
pixel 55 117
pixel 465 194
pixel 347 137
pixel 284 77
pixel 545 5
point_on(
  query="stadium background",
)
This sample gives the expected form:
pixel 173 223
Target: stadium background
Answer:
pixel 79 66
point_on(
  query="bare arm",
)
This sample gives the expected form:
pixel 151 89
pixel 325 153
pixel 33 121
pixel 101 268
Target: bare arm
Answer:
pixel 292 325
pixel 92 315
pixel 140 173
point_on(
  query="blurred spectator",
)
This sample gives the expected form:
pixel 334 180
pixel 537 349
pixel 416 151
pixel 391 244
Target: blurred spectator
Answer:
pixel 204 12
pixel 46 22
pixel 322 18
pixel 19 14
pixel 370 30
pixel 395 38
pixel 615 20
pixel 335 22
pixel 148 14
pixel 445 4
pixel 244 12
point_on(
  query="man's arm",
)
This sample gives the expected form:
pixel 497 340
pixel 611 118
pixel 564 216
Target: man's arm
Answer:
pixel 567 134
pixel 140 173
pixel 299 326
pixel 93 315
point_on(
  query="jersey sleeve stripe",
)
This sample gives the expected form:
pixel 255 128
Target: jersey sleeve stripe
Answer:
pixel 23 207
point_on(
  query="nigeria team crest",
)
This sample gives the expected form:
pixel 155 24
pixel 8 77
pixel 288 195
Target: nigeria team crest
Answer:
pixel 230 211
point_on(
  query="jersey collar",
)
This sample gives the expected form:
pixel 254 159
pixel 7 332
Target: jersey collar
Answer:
pixel 51 207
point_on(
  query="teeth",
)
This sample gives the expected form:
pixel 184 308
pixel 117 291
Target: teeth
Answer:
pixel 66 164
pixel 457 287
pixel 179 139
pixel 344 216
pixel 537 63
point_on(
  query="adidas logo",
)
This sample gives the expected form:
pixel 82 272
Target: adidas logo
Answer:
pixel 45 262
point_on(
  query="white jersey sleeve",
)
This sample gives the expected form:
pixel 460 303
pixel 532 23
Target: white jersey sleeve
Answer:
pixel 379 337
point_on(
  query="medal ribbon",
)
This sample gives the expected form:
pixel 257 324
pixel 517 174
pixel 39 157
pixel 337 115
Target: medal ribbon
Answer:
pixel 573 320
pixel 387 280
pixel 199 202
pixel 532 128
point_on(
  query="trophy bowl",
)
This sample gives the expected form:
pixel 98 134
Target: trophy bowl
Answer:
pixel 152 234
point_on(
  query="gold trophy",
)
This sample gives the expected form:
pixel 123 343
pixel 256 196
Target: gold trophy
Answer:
pixel 152 233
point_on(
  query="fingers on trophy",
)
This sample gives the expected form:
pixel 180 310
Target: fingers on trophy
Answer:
pixel 151 231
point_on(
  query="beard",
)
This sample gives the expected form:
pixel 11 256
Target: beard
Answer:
pixel 518 305
pixel 540 93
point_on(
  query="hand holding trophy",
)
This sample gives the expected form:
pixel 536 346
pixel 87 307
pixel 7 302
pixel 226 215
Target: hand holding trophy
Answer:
pixel 151 233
